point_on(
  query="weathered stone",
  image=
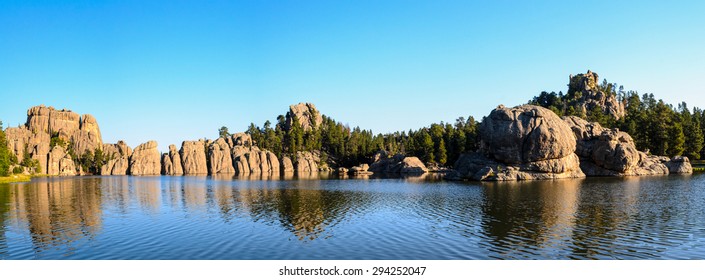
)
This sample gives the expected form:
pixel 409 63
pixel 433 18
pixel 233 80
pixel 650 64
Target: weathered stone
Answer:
pixel 397 164
pixel 87 137
pixel 38 119
pixel 306 162
pixel 589 96
pixel 171 162
pixel 60 163
pixel 476 166
pixel 521 143
pixel 306 114
pixel 342 171
pixel 193 157
pixel 610 152
pixel 17 138
pixel 286 165
pixel 679 165
pixel 273 161
pixel 525 134
pixel 119 155
pixel 145 159
pixel 220 158
pixel 242 139
pixel 361 169
pixel 63 122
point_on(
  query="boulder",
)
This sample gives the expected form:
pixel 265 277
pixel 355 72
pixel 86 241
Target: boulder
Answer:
pixel 145 160
pixel 521 143
pixel 679 165
pixel 63 122
pixel 397 164
pixel 342 171
pixel 306 114
pixel 362 169
pixel 525 134
pixel 193 157
pixel 220 158
pixel 306 162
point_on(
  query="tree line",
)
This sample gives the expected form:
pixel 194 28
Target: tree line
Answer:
pixel 440 143
pixel 655 126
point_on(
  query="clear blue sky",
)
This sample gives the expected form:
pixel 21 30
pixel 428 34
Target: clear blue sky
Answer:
pixel 176 70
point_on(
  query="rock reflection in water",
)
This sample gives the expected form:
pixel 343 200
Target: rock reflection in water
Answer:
pixel 55 212
pixel 521 218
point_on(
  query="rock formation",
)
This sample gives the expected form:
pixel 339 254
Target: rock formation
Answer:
pixel 286 165
pixel 193 157
pixel 396 164
pixel 220 158
pixel 34 137
pixel 60 163
pixel 521 143
pixel 306 114
pixel 248 159
pixel 362 169
pixel 679 165
pixel 87 137
pixel 145 160
pixel 118 159
pixel 171 162
pixel 583 88
pixel 610 152
pixel 306 162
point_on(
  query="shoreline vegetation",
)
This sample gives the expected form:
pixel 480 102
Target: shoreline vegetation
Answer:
pixel 15 178
pixel 595 129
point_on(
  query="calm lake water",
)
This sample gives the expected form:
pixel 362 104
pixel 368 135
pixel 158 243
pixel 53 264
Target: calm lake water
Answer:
pixel 329 218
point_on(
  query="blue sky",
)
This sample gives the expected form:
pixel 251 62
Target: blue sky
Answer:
pixel 178 70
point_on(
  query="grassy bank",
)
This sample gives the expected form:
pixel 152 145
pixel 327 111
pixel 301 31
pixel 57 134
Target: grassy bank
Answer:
pixel 15 178
pixel 698 165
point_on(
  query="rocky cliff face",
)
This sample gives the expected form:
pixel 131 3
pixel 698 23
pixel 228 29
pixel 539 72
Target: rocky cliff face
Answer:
pixel 252 160
pixel 584 88
pixel 43 123
pixel 60 163
pixel 145 160
pixel 521 143
pixel 306 113
pixel 193 157
pixel 306 162
pixel 220 158
pixel 119 159
pixel 171 162
pixel 610 152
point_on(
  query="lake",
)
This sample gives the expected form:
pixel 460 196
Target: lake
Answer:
pixel 322 217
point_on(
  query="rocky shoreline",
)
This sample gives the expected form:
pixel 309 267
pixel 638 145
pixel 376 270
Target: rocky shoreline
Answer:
pixel 521 143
